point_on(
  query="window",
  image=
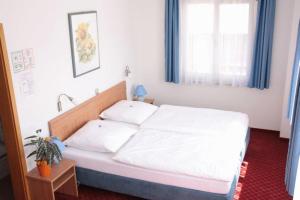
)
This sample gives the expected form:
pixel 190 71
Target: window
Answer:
pixel 216 41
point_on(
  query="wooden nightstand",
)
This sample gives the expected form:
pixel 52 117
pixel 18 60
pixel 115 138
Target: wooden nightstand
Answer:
pixel 62 180
pixel 146 100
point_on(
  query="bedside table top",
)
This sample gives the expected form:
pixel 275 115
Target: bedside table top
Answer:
pixel 56 172
pixel 149 100
pixel 146 100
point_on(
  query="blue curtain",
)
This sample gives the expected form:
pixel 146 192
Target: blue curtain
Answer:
pixel 294 79
pixel 262 53
pixel 172 41
pixel 294 116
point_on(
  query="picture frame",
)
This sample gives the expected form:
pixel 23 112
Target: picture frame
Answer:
pixel 83 28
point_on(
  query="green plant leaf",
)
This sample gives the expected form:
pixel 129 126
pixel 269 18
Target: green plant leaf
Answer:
pixel 30 137
pixel 45 150
pixel 30 144
pixel 31 154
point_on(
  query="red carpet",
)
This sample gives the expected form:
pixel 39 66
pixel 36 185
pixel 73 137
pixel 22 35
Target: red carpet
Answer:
pixel 262 173
pixel 264 177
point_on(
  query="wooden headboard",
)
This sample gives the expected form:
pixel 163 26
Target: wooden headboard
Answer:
pixel 66 124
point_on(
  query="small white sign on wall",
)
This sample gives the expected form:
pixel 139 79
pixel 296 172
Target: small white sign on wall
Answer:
pixel 22 60
pixel 28 58
pixel 23 63
pixel 17 61
pixel 26 83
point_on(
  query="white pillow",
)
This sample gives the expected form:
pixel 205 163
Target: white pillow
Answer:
pixel 134 112
pixel 101 136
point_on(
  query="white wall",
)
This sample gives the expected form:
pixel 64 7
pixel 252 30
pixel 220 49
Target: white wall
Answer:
pixel 43 26
pixel 263 107
pixel 285 128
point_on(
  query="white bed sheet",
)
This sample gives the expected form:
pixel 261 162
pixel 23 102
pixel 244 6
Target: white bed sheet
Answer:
pixel 103 162
pixel 199 121
pixel 202 156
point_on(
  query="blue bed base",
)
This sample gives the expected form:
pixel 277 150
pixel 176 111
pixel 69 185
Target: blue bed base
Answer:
pixel 150 190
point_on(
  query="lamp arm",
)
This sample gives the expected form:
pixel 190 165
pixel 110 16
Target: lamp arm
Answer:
pixel 59 104
pixel 59 107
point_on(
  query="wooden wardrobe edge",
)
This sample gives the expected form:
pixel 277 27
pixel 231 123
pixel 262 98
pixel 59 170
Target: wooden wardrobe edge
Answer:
pixel 11 127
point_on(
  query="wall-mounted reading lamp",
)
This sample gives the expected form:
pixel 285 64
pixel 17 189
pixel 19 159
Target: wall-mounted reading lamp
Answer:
pixel 59 106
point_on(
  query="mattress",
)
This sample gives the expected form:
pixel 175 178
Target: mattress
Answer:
pixel 103 162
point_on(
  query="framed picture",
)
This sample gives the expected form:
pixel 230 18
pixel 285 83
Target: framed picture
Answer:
pixel 83 27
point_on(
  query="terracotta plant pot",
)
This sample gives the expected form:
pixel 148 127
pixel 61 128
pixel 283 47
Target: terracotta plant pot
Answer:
pixel 44 168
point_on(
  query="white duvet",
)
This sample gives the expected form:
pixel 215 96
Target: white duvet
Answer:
pixel 199 121
pixel 195 155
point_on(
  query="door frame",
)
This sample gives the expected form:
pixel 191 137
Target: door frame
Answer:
pixel 11 127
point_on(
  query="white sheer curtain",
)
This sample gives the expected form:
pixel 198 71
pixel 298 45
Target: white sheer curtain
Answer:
pixel 216 41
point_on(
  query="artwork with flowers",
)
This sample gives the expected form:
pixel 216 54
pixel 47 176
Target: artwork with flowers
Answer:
pixel 84 42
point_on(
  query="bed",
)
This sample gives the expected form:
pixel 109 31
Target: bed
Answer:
pixel 101 170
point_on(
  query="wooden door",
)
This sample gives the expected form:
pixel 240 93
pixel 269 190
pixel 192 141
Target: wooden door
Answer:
pixel 10 125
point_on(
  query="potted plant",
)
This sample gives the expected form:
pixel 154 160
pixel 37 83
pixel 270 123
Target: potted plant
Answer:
pixel 46 152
